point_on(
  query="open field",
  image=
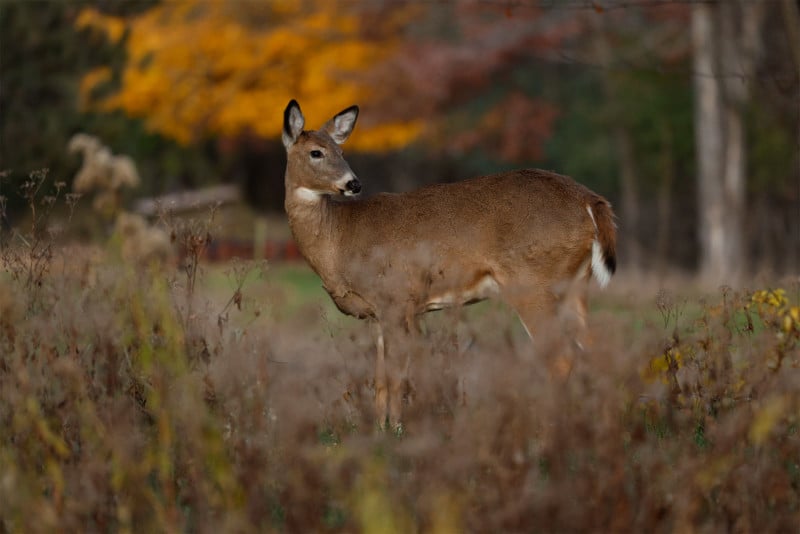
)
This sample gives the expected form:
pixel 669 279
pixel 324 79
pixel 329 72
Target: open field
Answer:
pixel 151 382
pixel 128 406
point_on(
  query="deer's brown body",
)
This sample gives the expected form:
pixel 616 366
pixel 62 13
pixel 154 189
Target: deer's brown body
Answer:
pixel 392 257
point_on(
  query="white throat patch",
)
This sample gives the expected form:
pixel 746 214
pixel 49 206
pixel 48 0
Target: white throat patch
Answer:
pixel 304 194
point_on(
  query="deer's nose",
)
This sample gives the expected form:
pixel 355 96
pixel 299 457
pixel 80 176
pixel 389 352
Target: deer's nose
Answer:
pixel 354 186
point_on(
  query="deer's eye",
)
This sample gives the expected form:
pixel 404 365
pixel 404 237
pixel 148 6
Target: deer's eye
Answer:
pixel 316 154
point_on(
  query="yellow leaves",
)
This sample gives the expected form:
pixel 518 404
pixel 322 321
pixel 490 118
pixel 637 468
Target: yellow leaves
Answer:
pixel 791 320
pixel 772 307
pixel 772 298
pixel 767 418
pixel 112 27
pixel 323 20
pixel 387 136
pixel 285 7
pixel 788 324
pixel 747 333
pixel 199 68
pixel 661 365
pixel 91 81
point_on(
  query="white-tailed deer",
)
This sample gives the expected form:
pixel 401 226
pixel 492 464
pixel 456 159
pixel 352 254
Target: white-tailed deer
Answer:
pixel 522 236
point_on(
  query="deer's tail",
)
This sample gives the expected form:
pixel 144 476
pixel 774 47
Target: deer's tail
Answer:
pixel 604 246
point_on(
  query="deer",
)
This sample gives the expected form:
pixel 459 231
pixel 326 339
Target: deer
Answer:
pixel 520 236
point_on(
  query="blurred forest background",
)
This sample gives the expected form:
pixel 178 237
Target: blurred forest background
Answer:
pixel 684 114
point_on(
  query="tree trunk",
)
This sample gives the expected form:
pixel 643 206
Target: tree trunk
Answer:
pixel 726 38
pixel 709 142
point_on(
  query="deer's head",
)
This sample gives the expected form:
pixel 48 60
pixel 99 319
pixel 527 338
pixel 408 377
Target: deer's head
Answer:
pixel 315 165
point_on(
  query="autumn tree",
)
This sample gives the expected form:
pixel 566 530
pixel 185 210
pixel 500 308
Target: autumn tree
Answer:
pixel 602 94
pixel 471 63
pixel 224 70
pixel 201 68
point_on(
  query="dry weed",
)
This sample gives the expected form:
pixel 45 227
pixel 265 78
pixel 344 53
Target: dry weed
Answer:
pixel 125 408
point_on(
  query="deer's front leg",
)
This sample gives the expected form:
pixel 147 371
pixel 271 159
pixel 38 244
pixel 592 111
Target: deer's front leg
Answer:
pixel 381 391
pixel 390 364
pixel 400 345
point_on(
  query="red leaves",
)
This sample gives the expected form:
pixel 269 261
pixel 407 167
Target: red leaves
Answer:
pixel 515 129
pixel 458 54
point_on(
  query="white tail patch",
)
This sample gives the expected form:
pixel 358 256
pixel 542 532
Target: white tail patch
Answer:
pixel 599 269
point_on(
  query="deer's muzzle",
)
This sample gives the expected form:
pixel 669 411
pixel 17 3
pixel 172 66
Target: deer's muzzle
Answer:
pixel 353 187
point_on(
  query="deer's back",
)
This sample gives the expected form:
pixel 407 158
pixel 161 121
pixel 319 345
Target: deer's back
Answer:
pixel 443 237
pixel 495 212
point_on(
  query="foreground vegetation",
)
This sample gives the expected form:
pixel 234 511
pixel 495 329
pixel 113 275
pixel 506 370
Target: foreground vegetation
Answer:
pixel 162 397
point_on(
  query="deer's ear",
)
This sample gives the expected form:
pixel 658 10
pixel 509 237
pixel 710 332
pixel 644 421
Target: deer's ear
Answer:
pixel 341 126
pixel 293 122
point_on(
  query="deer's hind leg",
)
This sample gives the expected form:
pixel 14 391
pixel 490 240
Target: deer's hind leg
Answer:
pixel 536 311
pixel 555 320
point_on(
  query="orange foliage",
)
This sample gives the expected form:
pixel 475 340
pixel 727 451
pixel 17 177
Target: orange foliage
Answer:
pixel 198 68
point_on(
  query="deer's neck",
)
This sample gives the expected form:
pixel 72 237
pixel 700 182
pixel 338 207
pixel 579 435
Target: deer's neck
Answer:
pixel 315 225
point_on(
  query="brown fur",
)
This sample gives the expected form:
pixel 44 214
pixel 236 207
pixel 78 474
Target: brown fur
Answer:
pixel 606 232
pixel 517 235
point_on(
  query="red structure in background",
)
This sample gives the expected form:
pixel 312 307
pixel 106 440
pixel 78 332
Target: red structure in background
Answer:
pixel 219 249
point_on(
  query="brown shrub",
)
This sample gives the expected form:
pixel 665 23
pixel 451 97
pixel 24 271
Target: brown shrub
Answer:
pixel 119 413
